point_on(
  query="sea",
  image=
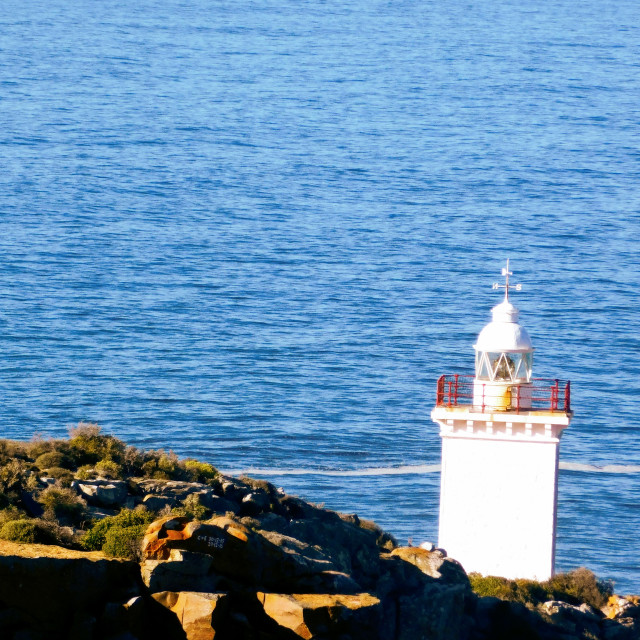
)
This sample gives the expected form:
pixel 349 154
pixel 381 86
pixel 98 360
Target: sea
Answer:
pixel 257 232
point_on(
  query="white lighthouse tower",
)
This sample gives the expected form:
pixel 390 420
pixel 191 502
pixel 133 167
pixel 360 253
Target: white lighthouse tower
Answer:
pixel 500 434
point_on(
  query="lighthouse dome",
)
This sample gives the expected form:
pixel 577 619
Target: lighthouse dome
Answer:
pixel 503 333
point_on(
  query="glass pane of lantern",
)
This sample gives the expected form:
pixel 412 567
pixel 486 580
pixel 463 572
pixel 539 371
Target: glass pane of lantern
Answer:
pixel 520 362
pixel 504 367
pixel 493 359
pixel 482 367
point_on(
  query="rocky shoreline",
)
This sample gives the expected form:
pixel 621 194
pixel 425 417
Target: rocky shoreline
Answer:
pixel 238 559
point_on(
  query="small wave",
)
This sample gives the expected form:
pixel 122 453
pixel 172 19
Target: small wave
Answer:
pixel 416 469
pixel 378 471
pixel 607 468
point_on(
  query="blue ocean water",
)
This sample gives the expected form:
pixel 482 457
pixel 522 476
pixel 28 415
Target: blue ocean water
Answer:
pixel 257 232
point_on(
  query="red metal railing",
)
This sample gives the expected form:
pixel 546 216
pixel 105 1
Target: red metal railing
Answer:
pixel 541 394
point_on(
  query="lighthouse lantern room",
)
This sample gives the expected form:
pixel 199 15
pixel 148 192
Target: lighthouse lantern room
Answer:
pixel 500 433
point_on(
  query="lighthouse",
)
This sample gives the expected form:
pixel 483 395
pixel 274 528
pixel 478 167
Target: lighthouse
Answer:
pixel 501 431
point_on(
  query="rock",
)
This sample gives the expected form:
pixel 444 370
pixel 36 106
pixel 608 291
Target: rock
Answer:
pixel 619 629
pixel 114 619
pixel 198 613
pixel 100 513
pixel 294 508
pixel 173 490
pixel 233 489
pixel 622 606
pixel 312 616
pixel 12 619
pixel 273 522
pixel 352 550
pixel 83 626
pixel 496 619
pixel 430 594
pixel 313 559
pixel 257 558
pixel 49 584
pixel 433 564
pixel 255 503
pixel 157 503
pixel 102 493
pixel 169 523
pixel 183 571
pixel 328 582
pixel 572 619
pixel 433 612
pixel 217 504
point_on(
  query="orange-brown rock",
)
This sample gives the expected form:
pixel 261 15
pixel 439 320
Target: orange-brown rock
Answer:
pixel 433 563
pixel 621 606
pixel 312 616
pixel 198 613
pixel 260 559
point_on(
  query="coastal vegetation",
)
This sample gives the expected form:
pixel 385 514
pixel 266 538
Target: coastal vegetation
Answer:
pixel 40 501
pixel 577 587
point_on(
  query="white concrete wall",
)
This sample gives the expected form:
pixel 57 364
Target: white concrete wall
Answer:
pixel 498 505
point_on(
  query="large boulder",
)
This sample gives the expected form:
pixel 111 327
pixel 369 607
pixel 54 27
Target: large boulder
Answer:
pixel 156 502
pixel 52 587
pixel 352 549
pixel 434 564
pixel 199 614
pixel 323 616
pixel 429 592
pixel 260 559
pixel 102 493
pixel 580 621
pixel 182 571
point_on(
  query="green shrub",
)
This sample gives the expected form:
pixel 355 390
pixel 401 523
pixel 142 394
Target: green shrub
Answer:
pixel 109 469
pixel 133 461
pixel 11 513
pixel 96 537
pixel 580 585
pixel 38 446
pixel 192 508
pixel 62 505
pixel 149 468
pixel 493 586
pixel 13 476
pixel 89 446
pixel 25 531
pixel 527 592
pixel 162 466
pixel 32 484
pixel 10 449
pixel 124 542
pixel 86 472
pixel 53 459
pixel 575 587
pixel 198 471
pixel 168 463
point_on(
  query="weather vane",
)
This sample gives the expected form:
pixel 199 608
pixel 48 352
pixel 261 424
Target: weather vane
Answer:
pixel 506 273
